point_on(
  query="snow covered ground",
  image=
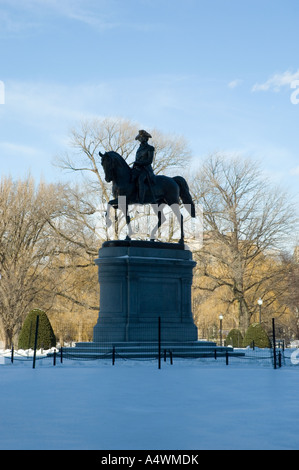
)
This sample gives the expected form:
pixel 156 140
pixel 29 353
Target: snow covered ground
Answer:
pixel 190 405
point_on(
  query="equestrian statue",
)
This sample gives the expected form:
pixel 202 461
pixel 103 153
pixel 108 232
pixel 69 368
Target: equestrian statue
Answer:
pixel 139 185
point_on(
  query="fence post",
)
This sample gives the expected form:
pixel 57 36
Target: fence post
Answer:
pixel 113 355
pixel 12 352
pixel 159 343
pixel 279 359
pixel 61 355
pixel 170 355
pixel 226 357
pixel 274 343
pixel 35 341
pixel 54 358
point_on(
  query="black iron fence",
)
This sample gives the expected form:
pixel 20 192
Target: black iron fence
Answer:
pixel 159 354
pixel 161 351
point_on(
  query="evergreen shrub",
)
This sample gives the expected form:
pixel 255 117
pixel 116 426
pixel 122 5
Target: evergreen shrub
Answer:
pixel 46 337
pixel 234 339
pixel 257 334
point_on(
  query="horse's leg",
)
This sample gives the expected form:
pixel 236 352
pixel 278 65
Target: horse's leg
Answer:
pixel 124 207
pixel 158 210
pixel 176 210
pixel 128 222
pixel 159 223
pixel 113 203
pixel 107 215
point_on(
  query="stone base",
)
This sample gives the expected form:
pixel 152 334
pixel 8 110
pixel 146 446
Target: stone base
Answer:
pixel 140 282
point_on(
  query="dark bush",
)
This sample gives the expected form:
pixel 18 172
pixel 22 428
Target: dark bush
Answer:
pixel 46 337
pixel 256 334
pixel 234 338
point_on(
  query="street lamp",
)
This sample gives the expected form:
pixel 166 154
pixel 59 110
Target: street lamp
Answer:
pixel 260 303
pixel 220 318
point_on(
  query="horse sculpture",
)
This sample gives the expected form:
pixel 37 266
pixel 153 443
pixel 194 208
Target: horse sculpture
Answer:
pixel 161 191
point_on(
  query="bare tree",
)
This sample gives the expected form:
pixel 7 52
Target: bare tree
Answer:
pixel 92 136
pixel 291 292
pixel 27 248
pixel 245 220
pixel 87 204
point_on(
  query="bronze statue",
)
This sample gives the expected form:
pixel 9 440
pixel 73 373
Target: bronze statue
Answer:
pixel 142 169
pixel 158 190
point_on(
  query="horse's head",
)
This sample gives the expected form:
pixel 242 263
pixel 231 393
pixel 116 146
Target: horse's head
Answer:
pixel 107 164
pixel 113 161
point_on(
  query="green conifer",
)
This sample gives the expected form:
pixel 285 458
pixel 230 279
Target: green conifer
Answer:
pixel 258 335
pixel 46 337
pixel 234 339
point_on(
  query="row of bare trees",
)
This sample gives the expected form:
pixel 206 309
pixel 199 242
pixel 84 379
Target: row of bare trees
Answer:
pixel 248 225
pixel 38 266
pixel 50 235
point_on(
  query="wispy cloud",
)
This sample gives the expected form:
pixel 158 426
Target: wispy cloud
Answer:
pixel 14 24
pixel 20 157
pixel 32 15
pixel 9 148
pixel 277 81
pixel 48 105
pixel 234 83
pixel 47 101
pixel 17 16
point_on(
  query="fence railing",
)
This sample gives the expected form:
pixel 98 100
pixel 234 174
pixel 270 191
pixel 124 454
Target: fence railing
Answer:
pixel 238 357
pixel 204 352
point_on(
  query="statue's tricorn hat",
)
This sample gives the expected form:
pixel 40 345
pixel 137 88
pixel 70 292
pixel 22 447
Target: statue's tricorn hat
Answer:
pixel 143 133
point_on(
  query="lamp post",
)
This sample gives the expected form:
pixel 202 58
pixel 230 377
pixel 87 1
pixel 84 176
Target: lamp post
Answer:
pixel 220 318
pixel 260 303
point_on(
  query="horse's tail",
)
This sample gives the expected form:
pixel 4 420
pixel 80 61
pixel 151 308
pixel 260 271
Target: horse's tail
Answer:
pixel 185 194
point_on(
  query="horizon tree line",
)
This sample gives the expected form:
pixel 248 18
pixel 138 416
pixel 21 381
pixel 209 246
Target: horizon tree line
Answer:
pixel 50 235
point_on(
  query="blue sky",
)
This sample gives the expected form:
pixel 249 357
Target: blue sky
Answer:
pixel 218 72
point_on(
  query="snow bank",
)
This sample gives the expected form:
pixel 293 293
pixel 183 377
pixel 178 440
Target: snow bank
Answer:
pixel 134 406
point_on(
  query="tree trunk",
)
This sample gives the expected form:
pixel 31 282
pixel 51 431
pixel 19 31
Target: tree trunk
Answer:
pixel 8 336
pixel 244 315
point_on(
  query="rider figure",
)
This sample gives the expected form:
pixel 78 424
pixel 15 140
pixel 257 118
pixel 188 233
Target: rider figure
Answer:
pixel 142 169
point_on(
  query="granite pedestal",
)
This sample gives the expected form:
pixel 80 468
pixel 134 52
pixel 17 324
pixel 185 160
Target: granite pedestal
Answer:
pixel 140 282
